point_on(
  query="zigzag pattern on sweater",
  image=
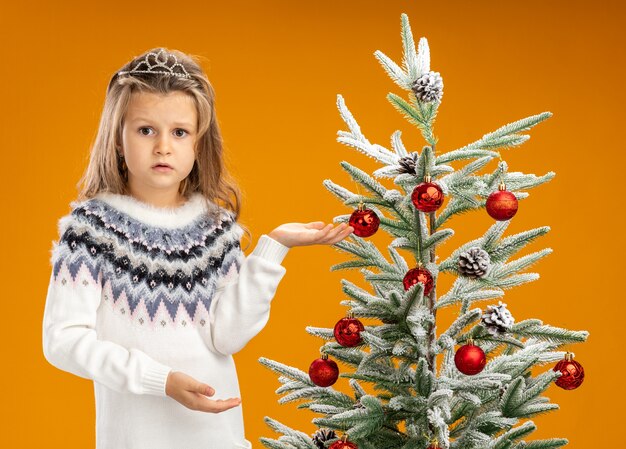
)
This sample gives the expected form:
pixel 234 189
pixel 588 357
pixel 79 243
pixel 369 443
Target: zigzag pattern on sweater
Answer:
pixel 150 267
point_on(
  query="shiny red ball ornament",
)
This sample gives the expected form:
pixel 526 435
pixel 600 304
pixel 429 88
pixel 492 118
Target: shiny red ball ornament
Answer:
pixel 348 331
pixel 427 196
pixel 418 274
pixel 323 371
pixel 364 221
pixel 343 444
pixel 470 359
pixel 501 205
pixel 572 373
pixel 434 445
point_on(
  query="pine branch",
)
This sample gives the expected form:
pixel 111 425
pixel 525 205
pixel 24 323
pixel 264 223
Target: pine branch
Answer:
pixel 366 251
pixel 413 66
pixel 546 444
pixel 505 440
pixel 397 144
pixel 292 439
pixel 393 70
pixel 414 116
pixel 357 140
pixel 457 155
pixel 359 422
pixel 448 338
pixel 359 294
pixel 510 245
pixel 496 139
pixel 555 335
pixel 349 356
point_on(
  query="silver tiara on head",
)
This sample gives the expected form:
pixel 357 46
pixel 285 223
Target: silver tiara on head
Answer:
pixel 159 64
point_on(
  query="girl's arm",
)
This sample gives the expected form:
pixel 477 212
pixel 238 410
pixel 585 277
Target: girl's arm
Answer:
pixel 241 304
pixel 240 307
pixel 70 342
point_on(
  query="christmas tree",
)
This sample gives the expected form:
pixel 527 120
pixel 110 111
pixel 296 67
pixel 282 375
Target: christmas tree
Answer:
pixel 470 386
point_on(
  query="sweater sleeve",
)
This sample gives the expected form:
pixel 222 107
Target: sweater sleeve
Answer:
pixel 240 307
pixel 70 342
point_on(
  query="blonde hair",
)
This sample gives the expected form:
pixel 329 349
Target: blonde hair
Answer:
pixel 106 171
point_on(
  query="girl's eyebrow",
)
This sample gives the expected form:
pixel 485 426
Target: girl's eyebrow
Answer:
pixel 141 119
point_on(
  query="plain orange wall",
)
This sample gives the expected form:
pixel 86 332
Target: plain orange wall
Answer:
pixel 277 68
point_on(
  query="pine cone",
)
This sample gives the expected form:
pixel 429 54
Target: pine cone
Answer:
pixel 407 164
pixel 498 319
pixel 323 435
pixel 474 262
pixel 428 87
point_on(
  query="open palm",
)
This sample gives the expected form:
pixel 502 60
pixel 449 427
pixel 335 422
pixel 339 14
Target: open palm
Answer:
pixel 313 233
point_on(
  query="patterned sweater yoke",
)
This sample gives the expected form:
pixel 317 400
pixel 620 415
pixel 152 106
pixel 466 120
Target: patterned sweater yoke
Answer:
pixel 174 257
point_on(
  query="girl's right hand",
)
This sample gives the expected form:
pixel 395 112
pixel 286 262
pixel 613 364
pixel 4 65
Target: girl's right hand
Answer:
pixel 193 394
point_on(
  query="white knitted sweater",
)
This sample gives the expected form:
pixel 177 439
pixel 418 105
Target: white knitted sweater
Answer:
pixel 137 291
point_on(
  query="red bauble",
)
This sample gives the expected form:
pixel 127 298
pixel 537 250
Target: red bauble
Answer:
pixel 418 274
pixel 343 445
pixel 364 221
pixel 572 373
pixel 501 205
pixel 470 359
pixel 427 196
pixel 323 372
pixel 348 332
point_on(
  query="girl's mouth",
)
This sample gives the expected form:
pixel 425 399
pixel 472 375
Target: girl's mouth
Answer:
pixel 162 168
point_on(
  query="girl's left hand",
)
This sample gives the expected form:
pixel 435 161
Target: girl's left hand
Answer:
pixel 314 233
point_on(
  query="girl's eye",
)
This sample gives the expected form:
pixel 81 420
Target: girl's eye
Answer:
pixel 178 130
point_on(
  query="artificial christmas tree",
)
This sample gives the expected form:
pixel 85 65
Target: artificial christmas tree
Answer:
pixel 470 386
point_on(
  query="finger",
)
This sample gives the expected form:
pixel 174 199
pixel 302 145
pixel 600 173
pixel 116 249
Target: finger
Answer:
pixel 315 224
pixel 220 405
pixel 334 233
pixel 205 389
pixel 326 229
pixel 342 234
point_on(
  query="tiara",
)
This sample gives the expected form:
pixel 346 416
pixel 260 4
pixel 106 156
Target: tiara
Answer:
pixel 159 65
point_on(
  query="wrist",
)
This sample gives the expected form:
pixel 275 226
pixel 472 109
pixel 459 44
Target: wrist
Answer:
pixel 274 237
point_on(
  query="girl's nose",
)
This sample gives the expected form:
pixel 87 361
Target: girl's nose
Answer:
pixel 163 145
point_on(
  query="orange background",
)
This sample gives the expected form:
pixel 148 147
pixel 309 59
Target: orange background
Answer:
pixel 277 68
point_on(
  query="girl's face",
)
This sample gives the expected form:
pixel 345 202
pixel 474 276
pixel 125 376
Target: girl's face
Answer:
pixel 159 129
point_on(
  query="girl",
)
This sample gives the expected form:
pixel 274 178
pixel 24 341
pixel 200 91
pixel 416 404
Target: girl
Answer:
pixel 150 293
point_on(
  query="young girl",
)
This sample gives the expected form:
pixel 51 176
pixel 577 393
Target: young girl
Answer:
pixel 150 293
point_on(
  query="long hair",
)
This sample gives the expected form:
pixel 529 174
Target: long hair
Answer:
pixel 209 176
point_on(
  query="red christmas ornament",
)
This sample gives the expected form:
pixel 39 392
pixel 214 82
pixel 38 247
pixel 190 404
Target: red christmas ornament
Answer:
pixel 434 444
pixel 343 444
pixel 364 221
pixel 418 274
pixel 501 205
pixel 470 359
pixel 427 196
pixel 572 373
pixel 323 372
pixel 348 331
